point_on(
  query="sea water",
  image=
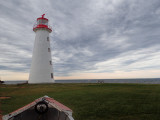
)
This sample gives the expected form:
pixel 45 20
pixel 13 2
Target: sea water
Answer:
pixel 137 80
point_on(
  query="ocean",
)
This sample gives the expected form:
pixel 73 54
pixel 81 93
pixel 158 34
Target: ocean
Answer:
pixel 137 80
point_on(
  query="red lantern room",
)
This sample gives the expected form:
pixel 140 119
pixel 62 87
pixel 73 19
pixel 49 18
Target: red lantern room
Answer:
pixel 42 24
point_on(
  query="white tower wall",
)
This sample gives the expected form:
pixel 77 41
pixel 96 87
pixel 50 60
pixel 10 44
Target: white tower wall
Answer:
pixel 41 66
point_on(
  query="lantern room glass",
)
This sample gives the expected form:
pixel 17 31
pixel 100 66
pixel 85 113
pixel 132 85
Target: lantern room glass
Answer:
pixel 42 22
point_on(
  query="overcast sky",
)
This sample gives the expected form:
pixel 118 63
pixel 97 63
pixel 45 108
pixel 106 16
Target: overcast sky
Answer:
pixel 90 38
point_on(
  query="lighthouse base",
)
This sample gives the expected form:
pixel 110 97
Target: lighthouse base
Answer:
pixel 40 83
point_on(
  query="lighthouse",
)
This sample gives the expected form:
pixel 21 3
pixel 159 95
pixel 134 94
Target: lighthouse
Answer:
pixel 41 67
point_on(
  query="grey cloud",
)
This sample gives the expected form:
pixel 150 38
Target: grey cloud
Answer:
pixel 85 33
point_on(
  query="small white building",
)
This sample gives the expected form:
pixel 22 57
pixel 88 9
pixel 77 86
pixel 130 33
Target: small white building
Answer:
pixel 41 67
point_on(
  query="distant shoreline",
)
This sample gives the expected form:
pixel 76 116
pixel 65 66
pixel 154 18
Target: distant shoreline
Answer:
pixel 134 80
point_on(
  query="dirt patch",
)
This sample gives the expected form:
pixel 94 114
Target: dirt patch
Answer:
pixel 4 97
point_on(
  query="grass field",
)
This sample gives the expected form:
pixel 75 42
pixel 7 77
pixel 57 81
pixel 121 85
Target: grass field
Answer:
pixel 91 101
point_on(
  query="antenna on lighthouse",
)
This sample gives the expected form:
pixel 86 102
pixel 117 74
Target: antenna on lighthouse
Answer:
pixel 41 67
pixel 43 15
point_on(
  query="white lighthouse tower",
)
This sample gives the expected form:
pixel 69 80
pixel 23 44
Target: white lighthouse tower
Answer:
pixel 41 68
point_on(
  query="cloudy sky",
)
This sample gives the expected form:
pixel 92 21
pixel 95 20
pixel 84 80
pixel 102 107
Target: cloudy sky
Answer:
pixel 90 38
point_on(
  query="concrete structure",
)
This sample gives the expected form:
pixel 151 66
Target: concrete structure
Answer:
pixel 41 68
pixel 44 108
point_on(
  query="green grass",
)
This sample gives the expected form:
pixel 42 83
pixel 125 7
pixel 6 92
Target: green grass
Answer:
pixel 91 101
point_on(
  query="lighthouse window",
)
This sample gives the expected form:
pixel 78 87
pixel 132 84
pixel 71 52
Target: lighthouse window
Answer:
pixel 51 75
pixel 49 50
pixel 50 62
pixel 44 22
pixel 39 21
pixel 47 38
